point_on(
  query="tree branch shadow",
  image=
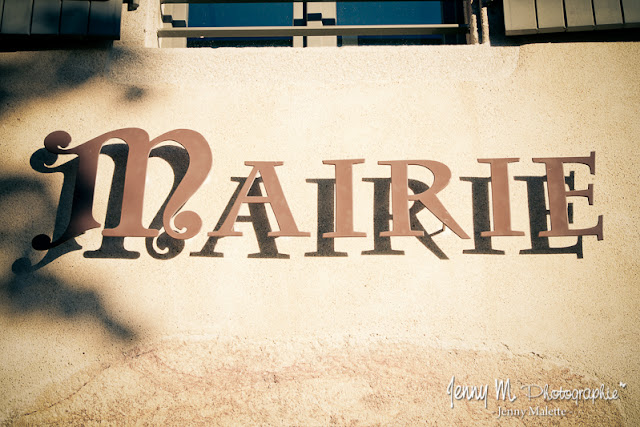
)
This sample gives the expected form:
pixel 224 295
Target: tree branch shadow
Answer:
pixel 33 75
pixel 29 290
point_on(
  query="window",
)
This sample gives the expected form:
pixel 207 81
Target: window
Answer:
pixel 314 23
pixel 240 15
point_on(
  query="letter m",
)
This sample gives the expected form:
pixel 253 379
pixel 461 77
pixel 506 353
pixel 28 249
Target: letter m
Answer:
pixel 140 146
pixel 503 390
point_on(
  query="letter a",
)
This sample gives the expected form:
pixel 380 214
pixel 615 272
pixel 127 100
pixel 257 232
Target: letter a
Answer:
pixel 275 197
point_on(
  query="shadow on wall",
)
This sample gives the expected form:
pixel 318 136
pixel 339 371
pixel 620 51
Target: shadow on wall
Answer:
pixel 29 290
pixel 30 76
pixel 27 76
pixel 113 247
pixel 538 215
pixel 76 205
pixel 76 202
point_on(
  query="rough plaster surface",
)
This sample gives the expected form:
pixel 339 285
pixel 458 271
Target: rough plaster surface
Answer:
pixel 206 381
pixel 314 341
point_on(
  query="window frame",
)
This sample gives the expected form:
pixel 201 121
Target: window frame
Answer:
pixel 175 31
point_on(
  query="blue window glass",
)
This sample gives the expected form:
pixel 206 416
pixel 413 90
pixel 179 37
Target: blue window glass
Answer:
pixel 240 15
pixel 391 13
pixel 388 13
pixel 347 13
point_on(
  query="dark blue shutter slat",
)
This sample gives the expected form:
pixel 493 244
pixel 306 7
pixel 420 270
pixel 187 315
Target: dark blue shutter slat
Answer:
pixel 631 9
pixel 1 7
pixel 104 18
pixel 46 16
pixel 608 14
pixel 75 17
pixel 16 18
pixel 520 17
pixel 579 15
pixel 550 15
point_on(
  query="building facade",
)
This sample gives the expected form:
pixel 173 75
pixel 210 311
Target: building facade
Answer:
pixel 356 235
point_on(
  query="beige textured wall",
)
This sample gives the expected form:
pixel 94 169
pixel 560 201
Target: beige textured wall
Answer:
pixel 316 341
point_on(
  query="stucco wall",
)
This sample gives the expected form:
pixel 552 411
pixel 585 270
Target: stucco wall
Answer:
pixel 360 339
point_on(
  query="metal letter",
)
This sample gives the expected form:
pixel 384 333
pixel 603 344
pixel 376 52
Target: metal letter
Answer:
pixel 344 198
pixel 81 218
pixel 275 196
pixel 558 196
pixel 135 178
pixel 500 198
pixel 400 197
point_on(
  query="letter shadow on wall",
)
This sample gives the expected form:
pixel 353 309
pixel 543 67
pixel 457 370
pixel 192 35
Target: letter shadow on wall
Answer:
pixel 538 214
pixel 29 290
pixel 381 219
pixel 167 247
pixel 111 247
pixel 257 217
